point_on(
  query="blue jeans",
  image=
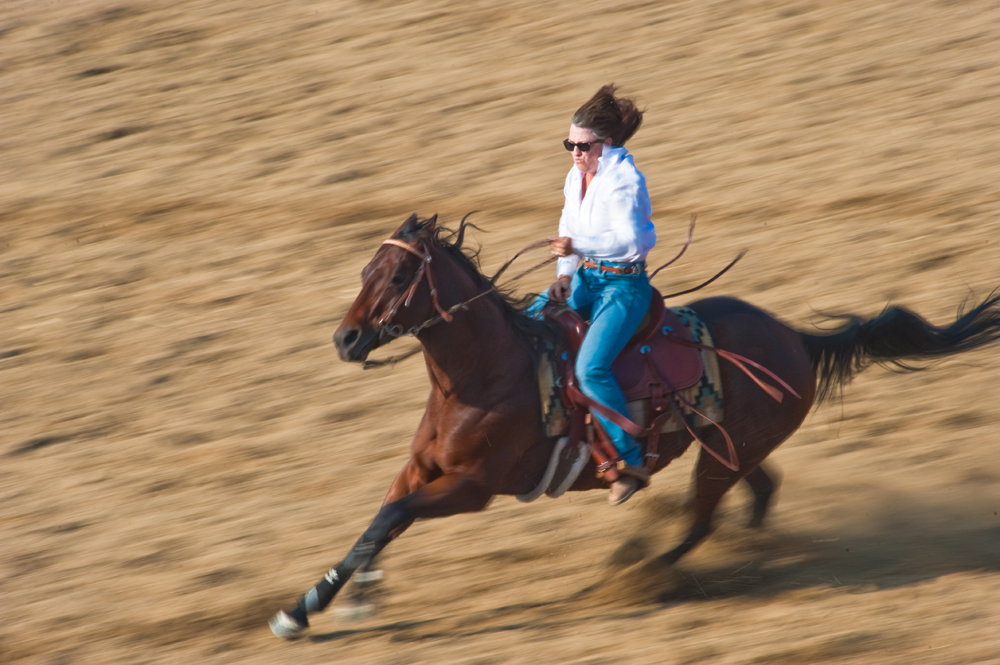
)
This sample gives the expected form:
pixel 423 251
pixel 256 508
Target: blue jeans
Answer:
pixel 615 305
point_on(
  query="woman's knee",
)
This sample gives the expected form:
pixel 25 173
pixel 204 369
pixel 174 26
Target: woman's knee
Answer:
pixel 592 374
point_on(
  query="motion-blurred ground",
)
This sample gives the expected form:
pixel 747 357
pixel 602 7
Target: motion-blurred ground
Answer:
pixel 189 190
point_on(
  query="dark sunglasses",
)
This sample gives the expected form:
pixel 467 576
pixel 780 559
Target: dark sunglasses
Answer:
pixel 584 146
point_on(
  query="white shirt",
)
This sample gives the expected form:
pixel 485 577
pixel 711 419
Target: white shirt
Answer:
pixel 613 221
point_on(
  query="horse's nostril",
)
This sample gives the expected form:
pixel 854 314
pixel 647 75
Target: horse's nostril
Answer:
pixel 350 338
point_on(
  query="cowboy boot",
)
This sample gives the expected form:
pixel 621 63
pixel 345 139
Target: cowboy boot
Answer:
pixel 622 490
pixel 631 479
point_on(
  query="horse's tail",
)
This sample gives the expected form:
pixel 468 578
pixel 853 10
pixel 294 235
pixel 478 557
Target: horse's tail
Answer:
pixel 896 338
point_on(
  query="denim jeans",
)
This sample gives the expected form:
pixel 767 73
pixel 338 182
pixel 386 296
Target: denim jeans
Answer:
pixel 615 305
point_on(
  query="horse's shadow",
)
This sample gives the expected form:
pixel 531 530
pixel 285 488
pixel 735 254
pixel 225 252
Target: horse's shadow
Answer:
pixel 897 549
pixel 768 566
pixel 898 543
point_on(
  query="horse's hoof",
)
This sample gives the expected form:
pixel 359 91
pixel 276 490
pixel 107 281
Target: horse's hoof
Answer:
pixel 285 626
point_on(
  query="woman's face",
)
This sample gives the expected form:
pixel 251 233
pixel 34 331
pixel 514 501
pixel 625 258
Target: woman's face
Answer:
pixel 586 161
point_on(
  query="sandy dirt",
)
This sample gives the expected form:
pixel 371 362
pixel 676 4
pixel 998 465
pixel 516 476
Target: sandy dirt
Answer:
pixel 189 190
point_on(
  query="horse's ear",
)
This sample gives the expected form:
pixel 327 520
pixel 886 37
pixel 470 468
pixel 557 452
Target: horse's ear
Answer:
pixel 409 227
pixel 431 223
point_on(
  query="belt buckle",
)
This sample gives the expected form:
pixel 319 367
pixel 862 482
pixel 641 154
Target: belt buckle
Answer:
pixel 627 269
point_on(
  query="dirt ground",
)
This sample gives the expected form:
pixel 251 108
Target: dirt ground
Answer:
pixel 189 190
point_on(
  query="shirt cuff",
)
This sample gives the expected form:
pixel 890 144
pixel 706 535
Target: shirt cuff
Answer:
pixel 567 265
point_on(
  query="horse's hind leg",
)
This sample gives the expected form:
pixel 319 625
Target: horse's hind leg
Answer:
pixel 712 480
pixel 364 594
pixel 763 486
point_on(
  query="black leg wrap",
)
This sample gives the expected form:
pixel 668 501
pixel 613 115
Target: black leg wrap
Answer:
pixel 367 547
pixel 362 553
pixel 320 595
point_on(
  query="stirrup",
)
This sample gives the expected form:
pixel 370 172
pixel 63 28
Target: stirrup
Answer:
pixel 640 473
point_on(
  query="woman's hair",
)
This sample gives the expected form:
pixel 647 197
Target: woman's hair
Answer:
pixel 608 116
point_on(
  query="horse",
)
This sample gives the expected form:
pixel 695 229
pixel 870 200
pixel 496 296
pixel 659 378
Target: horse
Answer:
pixel 482 435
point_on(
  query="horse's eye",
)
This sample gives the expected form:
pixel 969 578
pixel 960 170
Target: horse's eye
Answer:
pixel 398 279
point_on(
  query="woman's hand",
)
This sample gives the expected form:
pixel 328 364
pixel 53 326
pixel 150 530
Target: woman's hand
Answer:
pixel 562 246
pixel 561 288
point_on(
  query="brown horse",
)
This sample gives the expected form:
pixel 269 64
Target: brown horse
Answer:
pixel 482 435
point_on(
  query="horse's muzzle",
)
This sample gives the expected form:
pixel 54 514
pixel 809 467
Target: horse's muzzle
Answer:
pixel 354 343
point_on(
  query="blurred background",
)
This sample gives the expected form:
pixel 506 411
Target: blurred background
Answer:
pixel 189 191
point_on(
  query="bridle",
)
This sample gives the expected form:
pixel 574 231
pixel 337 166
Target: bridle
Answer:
pixel 394 329
pixel 424 271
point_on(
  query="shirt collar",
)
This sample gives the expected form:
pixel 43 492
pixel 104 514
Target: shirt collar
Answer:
pixel 611 156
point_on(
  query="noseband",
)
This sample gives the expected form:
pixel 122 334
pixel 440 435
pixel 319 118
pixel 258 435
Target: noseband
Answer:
pixel 424 271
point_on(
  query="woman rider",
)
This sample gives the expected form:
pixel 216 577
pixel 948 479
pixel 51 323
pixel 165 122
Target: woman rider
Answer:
pixel 605 233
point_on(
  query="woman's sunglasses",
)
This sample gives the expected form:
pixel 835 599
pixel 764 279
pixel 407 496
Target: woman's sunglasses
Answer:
pixel 584 146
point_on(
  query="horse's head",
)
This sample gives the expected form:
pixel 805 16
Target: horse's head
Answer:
pixel 395 295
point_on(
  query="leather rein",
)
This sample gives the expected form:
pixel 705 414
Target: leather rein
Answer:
pixel 423 253
pixel 424 272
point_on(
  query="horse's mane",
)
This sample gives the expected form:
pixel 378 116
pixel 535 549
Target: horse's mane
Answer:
pixel 533 333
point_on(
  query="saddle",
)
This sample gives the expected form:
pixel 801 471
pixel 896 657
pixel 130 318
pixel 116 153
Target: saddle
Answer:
pixel 669 372
pixel 660 360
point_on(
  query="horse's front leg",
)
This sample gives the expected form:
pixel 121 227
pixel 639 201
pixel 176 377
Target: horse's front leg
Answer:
pixel 367 579
pixel 449 494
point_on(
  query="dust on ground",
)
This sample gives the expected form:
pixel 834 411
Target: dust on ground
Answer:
pixel 189 190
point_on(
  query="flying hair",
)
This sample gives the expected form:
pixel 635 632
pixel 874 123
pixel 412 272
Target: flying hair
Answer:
pixel 608 116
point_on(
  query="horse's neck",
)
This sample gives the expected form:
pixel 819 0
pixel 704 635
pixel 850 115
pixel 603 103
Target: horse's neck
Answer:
pixel 479 346
pixel 472 350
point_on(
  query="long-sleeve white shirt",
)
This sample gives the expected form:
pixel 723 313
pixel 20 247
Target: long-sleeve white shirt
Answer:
pixel 613 221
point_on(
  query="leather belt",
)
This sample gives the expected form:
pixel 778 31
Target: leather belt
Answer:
pixel 623 269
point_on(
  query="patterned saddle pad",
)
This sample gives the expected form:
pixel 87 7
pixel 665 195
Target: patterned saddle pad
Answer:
pixel 700 387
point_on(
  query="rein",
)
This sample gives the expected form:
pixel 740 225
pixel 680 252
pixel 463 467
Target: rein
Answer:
pixel 425 271
pixel 687 243
pixel 423 253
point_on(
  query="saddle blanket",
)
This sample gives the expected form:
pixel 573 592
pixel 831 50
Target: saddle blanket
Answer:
pixel 705 395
